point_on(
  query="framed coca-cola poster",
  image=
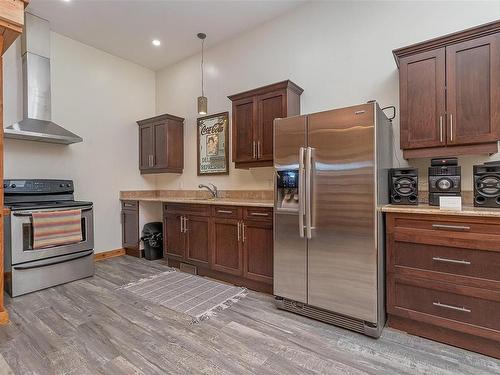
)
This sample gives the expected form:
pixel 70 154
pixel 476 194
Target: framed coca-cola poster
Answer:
pixel 213 144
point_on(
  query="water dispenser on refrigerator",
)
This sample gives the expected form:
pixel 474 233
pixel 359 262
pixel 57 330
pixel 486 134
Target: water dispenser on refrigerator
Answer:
pixel 288 189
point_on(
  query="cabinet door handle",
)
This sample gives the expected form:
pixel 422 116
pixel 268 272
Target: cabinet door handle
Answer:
pixel 450 307
pixel 243 236
pixel 254 151
pixel 182 224
pixel 259 151
pixel 128 205
pixel 185 224
pixel 451 127
pixel 455 261
pixel 441 129
pixel 239 231
pixel 224 211
pixel 450 227
pixel 259 214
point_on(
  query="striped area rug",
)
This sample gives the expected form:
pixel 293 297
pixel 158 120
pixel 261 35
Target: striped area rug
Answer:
pixel 55 228
pixel 189 294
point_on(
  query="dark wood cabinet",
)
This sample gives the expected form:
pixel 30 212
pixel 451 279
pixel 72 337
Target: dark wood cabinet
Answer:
pixel 231 243
pixel 258 250
pixel 161 144
pixel 473 90
pixel 130 227
pixel 245 133
pixel 173 235
pixel 226 246
pixel 442 278
pixel 450 94
pixel 253 114
pixel 197 233
pixel 422 100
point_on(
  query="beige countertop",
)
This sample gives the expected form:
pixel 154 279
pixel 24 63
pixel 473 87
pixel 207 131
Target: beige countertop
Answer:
pixel 216 201
pixel 250 198
pixel 433 210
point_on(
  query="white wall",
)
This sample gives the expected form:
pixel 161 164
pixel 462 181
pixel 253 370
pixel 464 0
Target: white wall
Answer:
pixel 338 52
pixel 97 96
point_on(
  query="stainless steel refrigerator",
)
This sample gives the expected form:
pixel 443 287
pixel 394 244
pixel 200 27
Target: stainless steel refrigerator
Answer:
pixel 331 174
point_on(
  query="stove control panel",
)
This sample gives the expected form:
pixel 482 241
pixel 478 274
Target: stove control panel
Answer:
pixel 37 186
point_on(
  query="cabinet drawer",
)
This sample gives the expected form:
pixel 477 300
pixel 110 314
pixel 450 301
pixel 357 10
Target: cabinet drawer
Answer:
pixel 187 209
pixel 258 213
pixel 130 205
pixel 443 301
pixel 230 212
pixel 458 261
pixel 444 227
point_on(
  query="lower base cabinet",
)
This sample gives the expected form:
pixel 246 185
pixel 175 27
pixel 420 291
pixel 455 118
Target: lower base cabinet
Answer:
pixel 197 230
pixel 130 227
pixel 234 244
pixel 226 246
pixel 443 279
pixel 257 259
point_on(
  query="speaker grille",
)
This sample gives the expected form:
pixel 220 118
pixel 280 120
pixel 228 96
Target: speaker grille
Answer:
pixel 405 186
pixel 322 315
pixel 488 186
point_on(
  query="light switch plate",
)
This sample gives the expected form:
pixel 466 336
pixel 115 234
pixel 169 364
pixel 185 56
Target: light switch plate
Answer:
pixel 450 203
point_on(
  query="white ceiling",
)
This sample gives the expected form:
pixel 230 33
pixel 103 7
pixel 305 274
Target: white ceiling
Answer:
pixel 125 28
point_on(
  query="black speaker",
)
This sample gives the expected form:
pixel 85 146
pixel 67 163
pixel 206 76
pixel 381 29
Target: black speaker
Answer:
pixel 487 185
pixel 444 179
pixel 403 185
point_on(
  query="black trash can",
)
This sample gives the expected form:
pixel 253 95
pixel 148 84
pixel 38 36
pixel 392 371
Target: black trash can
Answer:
pixel 152 236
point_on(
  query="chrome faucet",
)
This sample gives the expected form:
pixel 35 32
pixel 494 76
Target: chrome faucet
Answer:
pixel 213 190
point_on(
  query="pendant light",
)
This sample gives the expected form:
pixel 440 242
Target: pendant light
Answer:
pixel 202 100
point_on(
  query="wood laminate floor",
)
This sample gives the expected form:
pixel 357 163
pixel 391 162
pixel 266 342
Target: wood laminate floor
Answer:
pixel 88 327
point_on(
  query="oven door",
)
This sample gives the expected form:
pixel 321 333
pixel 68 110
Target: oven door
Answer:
pixel 22 236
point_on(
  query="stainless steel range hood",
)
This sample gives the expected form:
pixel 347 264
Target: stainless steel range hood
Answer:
pixel 36 124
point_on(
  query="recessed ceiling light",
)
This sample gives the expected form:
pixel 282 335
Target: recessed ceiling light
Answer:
pixel 156 42
pixel 66 1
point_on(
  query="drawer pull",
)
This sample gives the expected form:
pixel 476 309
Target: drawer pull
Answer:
pixel 456 308
pixel 450 227
pixel 224 211
pixel 129 205
pixel 259 214
pixel 455 261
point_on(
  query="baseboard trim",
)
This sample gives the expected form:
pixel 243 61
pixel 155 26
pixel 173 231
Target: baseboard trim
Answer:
pixel 109 254
pixel 4 317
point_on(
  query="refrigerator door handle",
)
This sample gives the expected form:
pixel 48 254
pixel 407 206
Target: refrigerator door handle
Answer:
pixel 302 194
pixel 308 193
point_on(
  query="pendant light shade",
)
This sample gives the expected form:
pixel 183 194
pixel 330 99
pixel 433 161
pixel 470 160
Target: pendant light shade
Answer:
pixel 202 100
pixel 202 105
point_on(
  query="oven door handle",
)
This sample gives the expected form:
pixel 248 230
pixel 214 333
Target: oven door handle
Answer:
pixel 29 213
pixel 52 261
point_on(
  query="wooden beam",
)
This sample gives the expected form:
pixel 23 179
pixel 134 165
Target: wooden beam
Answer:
pixel 4 317
pixel 12 12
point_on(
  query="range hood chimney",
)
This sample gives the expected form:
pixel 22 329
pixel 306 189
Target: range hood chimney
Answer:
pixel 36 124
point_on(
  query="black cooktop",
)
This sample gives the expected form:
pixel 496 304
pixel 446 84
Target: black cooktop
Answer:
pixel 39 194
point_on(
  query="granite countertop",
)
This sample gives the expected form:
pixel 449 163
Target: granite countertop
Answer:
pixel 251 198
pixel 434 210
pixel 211 201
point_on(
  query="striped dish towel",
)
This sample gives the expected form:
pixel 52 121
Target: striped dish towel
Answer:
pixel 55 228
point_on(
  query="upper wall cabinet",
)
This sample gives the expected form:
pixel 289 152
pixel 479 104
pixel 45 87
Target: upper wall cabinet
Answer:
pixel 161 144
pixel 450 94
pixel 254 112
